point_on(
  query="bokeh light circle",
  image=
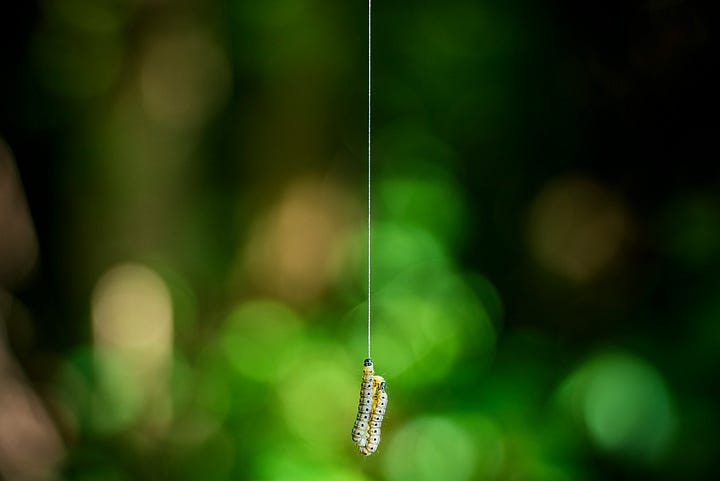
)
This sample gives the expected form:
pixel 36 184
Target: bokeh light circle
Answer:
pixel 624 404
pixel 258 337
pixel 429 449
pixel 318 397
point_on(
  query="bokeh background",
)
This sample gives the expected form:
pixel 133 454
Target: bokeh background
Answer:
pixel 182 239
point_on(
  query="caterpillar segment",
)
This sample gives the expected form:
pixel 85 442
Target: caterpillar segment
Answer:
pixel 377 414
pixel 360 431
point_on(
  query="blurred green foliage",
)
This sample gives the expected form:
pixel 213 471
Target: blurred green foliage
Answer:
pixel 545 239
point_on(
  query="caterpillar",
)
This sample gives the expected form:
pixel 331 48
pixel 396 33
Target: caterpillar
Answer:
pixel 377 414
pixel 371 410
pixel 367 389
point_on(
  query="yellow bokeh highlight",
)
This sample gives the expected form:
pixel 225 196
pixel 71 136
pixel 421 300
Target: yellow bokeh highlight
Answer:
pixel 578 228
pixel 291 249
pixel 184 78
pixel 132 321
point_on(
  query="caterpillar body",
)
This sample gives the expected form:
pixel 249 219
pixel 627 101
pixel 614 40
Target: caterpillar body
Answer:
pixel 376 417
pixel 371 410
pixel 360 429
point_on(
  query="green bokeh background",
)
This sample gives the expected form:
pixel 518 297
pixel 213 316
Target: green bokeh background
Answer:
pixel 546 238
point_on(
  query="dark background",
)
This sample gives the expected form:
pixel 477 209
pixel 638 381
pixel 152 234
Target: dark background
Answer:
pixel 545 190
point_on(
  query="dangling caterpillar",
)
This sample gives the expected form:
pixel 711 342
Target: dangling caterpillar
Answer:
pixel 371 411
pixel 376 417
pixel 360 429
